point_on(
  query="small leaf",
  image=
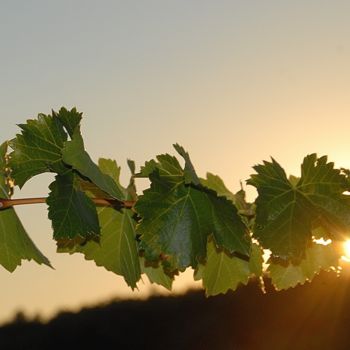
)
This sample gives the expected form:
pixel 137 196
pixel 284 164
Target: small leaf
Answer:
pixel 157 275
pixel 198 272
pixel 131 189
pixel 215 183
pixel 75 155
pixel 189 172
pixel 245 209
pixel 166 165
pixel 70 119
pixel 110 168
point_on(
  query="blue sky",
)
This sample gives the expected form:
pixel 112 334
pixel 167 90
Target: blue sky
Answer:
pixel 232 81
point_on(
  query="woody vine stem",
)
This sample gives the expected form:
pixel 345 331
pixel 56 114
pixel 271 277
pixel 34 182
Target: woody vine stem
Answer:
pixel 7 203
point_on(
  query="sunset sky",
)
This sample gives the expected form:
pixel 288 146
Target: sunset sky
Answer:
pixel 234 82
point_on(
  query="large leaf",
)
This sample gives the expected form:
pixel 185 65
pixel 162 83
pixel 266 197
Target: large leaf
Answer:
pixel 287 211
pixel 318 257
pixel 74 154
pixel 223 272
pixel 116 250
pixel 37 149
pixel 177 219
pixel 15 244
pixel 324 186
pixel 72 212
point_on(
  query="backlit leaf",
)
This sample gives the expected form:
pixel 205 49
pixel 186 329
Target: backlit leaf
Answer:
pixel 318 257
pixel 15 244
pixel 215 183
pixel 223 272
pixel 156 274
pixel 286 212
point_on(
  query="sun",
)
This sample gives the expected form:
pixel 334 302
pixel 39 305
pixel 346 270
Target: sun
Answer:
pixel 346 248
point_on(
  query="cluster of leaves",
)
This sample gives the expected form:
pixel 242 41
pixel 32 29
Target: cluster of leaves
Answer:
pixel 181 221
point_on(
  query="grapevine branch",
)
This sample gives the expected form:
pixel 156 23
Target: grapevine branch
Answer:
pixel 7 203
pixel 181 220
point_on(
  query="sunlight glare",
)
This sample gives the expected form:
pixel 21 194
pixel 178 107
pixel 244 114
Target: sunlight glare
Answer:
pixel 346 247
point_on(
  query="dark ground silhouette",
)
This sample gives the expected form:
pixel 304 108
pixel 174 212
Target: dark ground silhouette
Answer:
pixel 313 316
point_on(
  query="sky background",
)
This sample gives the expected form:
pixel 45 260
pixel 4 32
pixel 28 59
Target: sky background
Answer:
pixel 234 82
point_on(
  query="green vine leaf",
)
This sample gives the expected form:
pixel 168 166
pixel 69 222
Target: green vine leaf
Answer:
pixel 223 272
pixel 189 172
pixel 178 218
pixel 215 183
pixel 157 275
pixel 37 149
pixel 317 257
pixel 15 244
pixel 166 165
pixel 245 209
pixel 286 212
pixel 74 155
pixel 325 187
pixel 69 119
pixel 131 191
pixel 72 212
pixel 116 249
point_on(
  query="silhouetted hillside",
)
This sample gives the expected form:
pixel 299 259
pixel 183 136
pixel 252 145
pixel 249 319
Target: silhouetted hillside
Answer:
pixel 314 316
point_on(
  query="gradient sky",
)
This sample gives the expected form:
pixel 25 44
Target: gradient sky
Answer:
pixel 232 81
